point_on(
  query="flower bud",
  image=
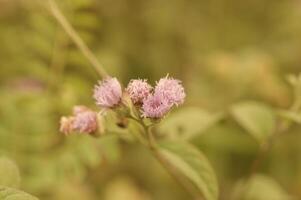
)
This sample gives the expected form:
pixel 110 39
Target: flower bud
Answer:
pixel 155 106
pixel 85 122
pixel 108 93
pixel 138 90
pixel 171 90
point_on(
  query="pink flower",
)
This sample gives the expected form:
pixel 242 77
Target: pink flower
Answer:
pixel 138 90
pixel 155 106
pixel 85 122
pixel 171 90
pixel 108 93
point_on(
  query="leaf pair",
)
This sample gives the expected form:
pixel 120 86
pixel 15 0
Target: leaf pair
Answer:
pixel 187 123
pixel 256 118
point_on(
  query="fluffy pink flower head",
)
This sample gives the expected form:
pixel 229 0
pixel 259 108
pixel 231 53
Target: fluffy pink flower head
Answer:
pixel 138 90
pixel 171 90
pixel 108 93
pixel 85 122
pixel 154 106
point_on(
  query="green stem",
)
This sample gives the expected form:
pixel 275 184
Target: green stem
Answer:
pixel 58 15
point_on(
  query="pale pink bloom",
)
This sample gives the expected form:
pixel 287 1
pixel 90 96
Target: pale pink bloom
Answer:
pixel 85 122
pixel 171 90
pixel 154 106
pixel 66 125
pixel 108 93
pixel 138 90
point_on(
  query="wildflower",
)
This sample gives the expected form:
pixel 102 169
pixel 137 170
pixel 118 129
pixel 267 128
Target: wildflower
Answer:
pixel 171 90
pixel 138 90
pixel 108 93
pixel 155 106
pixel 85 122
pixel 66 125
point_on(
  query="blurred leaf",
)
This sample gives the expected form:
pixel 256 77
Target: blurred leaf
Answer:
pixel 87 20
pixel 290 115
pixel 110 149
pixel 9 173
pixel 72 190
pixel 227 138
pixel 124 188
pixel 13 194
pixel 188 122
pixel 256 118
pixel 259 187
pixel 88 153
pixel 191 163
pixel 80 4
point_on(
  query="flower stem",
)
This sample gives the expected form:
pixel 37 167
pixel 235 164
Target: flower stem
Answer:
pixel 58 15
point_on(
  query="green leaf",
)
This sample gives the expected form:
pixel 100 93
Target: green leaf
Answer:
pixel 290 115
pixel 193 165
pixel 13 194
pixel 188 122
pixel 259 187
pixel 9 173
pixel 256 118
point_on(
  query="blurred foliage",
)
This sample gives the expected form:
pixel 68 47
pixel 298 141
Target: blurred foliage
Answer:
pixel 260 187
pixel 224 51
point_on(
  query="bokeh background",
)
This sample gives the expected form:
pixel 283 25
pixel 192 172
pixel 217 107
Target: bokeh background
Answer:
pixel 225 51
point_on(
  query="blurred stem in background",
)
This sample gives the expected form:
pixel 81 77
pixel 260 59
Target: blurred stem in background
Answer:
pixel 76 39
pixel 266 146
pixel 58 59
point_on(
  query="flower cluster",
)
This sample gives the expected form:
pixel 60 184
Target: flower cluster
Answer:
pixel 168 92
pixel 154 103
pixel 83 120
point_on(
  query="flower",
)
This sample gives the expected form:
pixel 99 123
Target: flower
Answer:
pixel 170 89
pixel 138 90
pixel 85 122
pixel 155 106
pixel 108 93
pixel 66 125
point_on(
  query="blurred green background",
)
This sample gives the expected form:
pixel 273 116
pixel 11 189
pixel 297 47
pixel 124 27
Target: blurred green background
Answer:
pixel 225 51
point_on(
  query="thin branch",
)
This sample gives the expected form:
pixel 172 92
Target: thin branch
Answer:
pixel 58 62
pixel 58 15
